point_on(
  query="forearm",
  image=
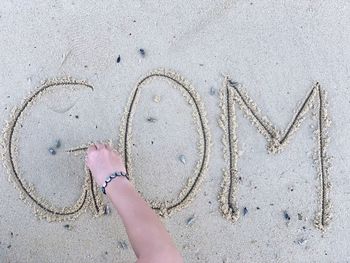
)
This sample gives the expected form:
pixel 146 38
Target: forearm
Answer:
pixel 147 234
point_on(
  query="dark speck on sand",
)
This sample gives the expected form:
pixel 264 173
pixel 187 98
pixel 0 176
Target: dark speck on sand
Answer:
pixel 151 119
pixel 142 52
pixel 52 151
pixel 286 215
pixel 245 211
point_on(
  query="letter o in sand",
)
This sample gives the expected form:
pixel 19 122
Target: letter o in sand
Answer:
pixel 189 190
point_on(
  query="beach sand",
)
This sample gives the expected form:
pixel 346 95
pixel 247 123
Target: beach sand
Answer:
pixel 226 193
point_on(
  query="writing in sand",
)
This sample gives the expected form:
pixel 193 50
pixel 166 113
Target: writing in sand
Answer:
pixel 232 96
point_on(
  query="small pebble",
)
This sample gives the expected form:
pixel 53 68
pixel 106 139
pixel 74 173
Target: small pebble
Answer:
pixel 190 220
pixel 300 216
pixel 286 216
pixel 212 91
pixel 118 59
pixel 77 116
pixel 122 245
pixel 151 119
pixel 58 144
pixel 257 208
pixel 9 246
pixel 68 227
pixel 245 211
pixel 142 52
pixel 107 210
pixel 301 241
pixel 52 151
pixel 156 98
pixel 182 159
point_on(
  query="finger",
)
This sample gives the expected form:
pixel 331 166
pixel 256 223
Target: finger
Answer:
pixel 100 146
pixel 109 147
pixel 91 148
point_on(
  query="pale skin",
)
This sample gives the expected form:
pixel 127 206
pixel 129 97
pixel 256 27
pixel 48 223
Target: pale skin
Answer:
pixel 148 236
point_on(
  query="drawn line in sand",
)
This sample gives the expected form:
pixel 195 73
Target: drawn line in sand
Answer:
pixel 230 95
pixel 189 191
pixel 89 198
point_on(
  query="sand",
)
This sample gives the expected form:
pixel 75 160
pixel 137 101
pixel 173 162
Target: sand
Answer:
pixel 188 192
pixel 42 208
pixel 231 139
pixel 277 140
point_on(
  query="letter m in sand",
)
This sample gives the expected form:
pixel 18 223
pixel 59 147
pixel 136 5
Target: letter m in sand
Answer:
pixel 232 95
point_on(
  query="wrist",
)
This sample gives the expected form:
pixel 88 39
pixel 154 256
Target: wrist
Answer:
pixel 116 184
pixel 102 176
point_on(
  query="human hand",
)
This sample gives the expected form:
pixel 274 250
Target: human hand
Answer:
pixel 102 161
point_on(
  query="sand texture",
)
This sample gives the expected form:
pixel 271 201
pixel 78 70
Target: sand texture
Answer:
pixel 231 116
pixel 276 142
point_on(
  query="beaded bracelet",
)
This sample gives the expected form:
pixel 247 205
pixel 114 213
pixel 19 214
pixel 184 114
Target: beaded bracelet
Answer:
pixel 110 178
